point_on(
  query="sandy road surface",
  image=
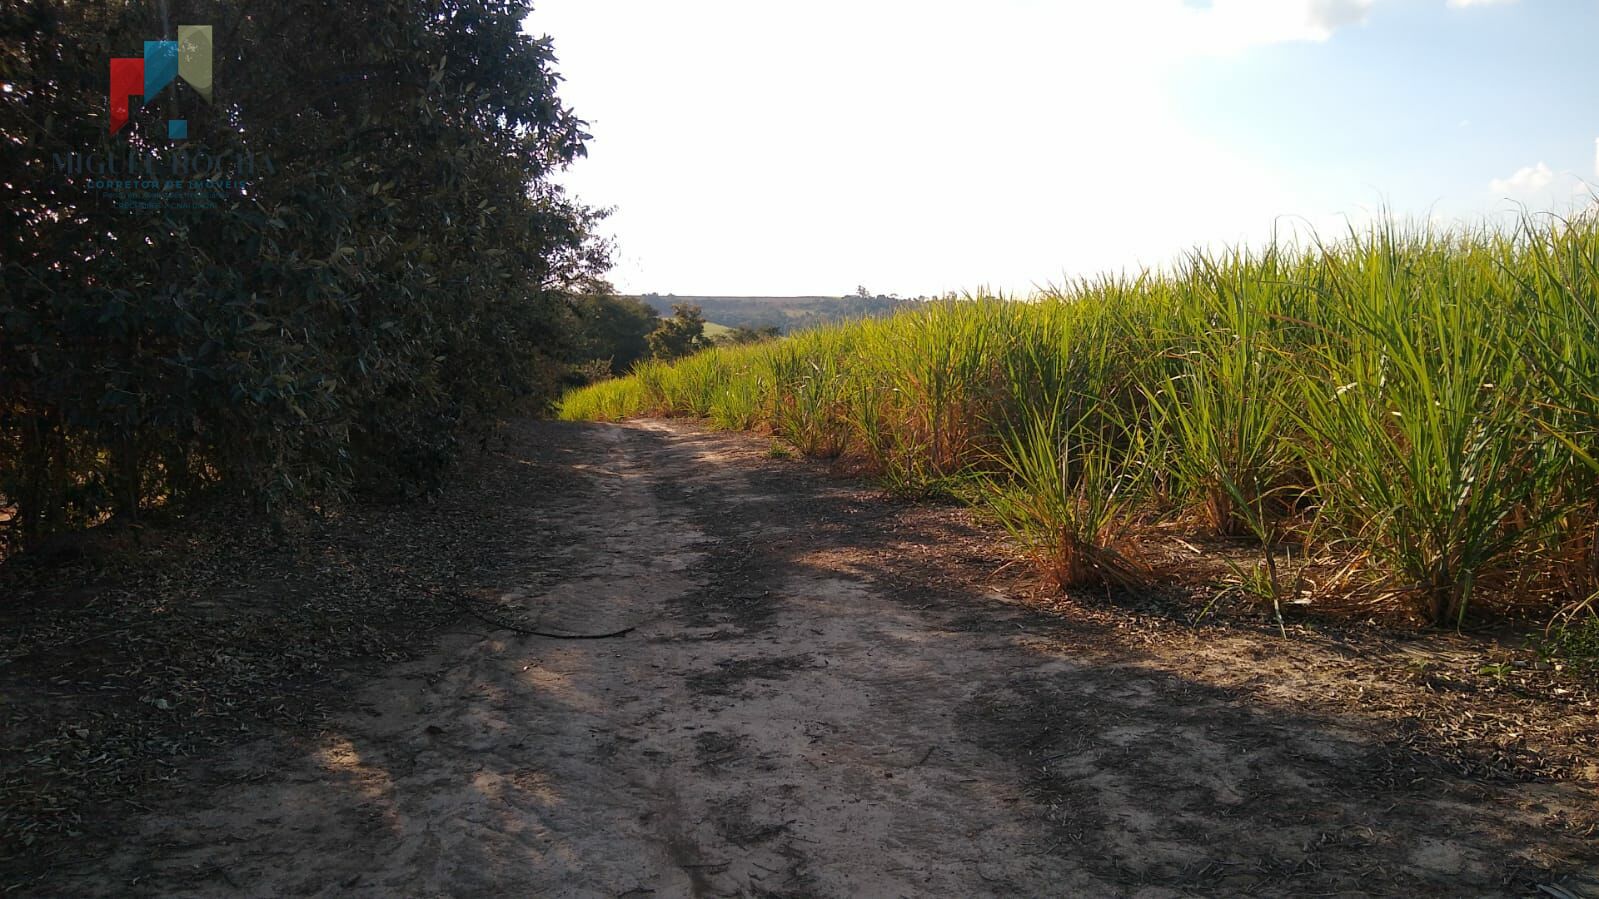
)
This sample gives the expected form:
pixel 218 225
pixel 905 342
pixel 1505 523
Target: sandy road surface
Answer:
pixel 826 694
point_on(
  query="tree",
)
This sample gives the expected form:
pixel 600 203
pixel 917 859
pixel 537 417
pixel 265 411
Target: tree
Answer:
pixel 680 335
pixel 395 273
pixel 744 334
pixel 614 329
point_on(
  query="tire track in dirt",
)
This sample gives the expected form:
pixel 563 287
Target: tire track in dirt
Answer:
pixel 821 698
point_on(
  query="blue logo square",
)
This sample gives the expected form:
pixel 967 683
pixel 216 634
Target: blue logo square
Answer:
pixel 178 129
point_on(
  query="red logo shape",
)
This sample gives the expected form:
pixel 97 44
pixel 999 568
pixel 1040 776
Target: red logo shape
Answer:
pixel 127 79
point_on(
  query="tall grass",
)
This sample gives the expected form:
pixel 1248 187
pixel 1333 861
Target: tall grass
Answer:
pixel 1426 401
pixel 1558 297
pixel 1422 442
pixel 1222 408
pixel 1064 492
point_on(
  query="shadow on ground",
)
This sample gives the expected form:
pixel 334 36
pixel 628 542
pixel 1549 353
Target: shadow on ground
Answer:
pixel 832 693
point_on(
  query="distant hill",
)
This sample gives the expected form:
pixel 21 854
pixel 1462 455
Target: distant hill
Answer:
pixel 786 313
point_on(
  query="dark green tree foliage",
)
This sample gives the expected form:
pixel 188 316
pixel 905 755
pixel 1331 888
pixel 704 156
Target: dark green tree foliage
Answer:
pixel 742 335
pixel 396 272
pixel 680 335
pixel 615 330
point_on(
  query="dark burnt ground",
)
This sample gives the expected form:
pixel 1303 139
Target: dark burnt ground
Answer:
pixel 125 656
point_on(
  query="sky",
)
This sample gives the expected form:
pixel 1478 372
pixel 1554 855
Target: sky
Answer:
pixel 926 147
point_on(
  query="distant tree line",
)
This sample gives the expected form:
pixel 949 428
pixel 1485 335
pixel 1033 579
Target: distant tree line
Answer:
pixel 616 332
pixel 786 314
pixel 398 271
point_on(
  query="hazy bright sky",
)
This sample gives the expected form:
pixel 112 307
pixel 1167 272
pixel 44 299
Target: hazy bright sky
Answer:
pixel 920 147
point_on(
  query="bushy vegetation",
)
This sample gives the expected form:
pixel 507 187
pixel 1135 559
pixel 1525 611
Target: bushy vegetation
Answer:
pixel 1424 405
pixel 613 332
pixel 681 335
pixel 398 270
pixel 1574 641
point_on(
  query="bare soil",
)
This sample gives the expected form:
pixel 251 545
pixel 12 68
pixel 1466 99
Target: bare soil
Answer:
pixel 826 692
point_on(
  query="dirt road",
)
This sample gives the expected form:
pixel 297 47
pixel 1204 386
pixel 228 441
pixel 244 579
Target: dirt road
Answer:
pixel 828 693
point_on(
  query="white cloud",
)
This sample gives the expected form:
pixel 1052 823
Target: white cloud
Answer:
pixel 1526 179
pixel 1228 26
pixel 1596 157
pixel 1334 14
